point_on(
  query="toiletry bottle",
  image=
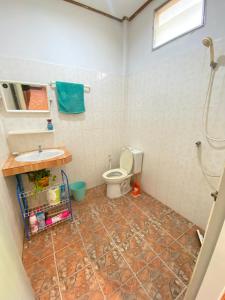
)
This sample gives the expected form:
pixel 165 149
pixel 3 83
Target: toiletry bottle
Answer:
pixel 41 220
pixel 62 192
pixel 49 124
pixel 53 196
pixel 33 222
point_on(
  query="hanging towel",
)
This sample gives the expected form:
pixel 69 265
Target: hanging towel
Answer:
pixel 70 97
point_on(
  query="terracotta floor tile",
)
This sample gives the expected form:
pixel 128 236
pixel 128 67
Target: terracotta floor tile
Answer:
pixel 190 241
pixel 159 210
pixel 140 223
pixel 121 237
pixel 182 295
pixel 90 234
pixel 144 201
pixel 39 247
pixel 157 238
pixel 159 281
pixel 175 224
pixel 43 275
pixel 96 192
pixel 98 247
pixel 120 231
pixel 89 220
pixel 180 261
pixel 71 259
pixel 65 234
pixel 108 219
pixel 112 271
pixel 52 294
pixel 138 253
pixel 129 212
pixel 130 290
pixel 81 285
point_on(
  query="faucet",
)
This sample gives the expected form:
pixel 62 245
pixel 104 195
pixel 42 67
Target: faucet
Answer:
pixel 40 149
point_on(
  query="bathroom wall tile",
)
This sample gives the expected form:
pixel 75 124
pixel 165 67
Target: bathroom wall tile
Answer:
pixel 101 122
pixel 159 281
pixel 164 118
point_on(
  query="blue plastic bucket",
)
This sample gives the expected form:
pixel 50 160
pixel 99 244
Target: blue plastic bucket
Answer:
pixel 78 190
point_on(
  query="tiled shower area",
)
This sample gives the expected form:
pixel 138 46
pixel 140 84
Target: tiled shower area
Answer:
pixel 126 248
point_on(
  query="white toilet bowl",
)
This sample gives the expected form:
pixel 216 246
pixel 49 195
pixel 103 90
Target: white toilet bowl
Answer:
pixel 118 180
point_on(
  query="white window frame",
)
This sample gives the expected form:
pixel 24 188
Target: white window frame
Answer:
pixel 182 34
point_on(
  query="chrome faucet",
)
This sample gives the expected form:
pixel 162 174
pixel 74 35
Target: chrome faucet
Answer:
pixel 40 149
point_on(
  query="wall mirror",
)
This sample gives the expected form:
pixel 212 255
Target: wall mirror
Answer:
pixel 24 97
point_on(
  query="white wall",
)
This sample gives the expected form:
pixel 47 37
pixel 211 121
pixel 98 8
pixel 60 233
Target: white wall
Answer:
pixel 13 280
pixel 44 41
pixel 90 137
pixel 59 32
pixel 213 285
pixel 166 93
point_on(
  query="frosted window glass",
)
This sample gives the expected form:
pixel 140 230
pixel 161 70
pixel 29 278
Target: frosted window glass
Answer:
pixel 175 18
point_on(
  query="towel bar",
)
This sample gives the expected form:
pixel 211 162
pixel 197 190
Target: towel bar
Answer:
pixel 87 88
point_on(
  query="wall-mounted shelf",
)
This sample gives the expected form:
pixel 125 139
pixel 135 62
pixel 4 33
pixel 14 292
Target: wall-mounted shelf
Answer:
pixel 35 131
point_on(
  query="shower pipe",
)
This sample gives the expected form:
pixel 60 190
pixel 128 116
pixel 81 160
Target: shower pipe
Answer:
pixel 208 42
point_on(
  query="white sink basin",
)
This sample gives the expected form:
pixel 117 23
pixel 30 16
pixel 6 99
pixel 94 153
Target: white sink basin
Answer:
pixel 39 156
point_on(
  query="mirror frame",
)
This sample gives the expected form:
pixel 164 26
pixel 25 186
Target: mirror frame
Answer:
pixel 28 83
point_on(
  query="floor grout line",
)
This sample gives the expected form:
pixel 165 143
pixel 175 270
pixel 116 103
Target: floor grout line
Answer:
pixel 93 210
pixel 175 239
pixel 133 273
pixel 158 255
pixel 57 274
pixel 177 298
pixel 96 278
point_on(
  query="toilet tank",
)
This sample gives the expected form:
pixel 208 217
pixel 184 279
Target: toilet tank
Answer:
pixel 138 160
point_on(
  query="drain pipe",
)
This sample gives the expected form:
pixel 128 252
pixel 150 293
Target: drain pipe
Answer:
pixel 110 161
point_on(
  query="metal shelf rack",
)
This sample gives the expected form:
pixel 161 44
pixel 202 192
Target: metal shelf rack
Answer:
pixel 30 202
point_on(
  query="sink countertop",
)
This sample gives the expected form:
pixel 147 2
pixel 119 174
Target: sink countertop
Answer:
pixel 12 167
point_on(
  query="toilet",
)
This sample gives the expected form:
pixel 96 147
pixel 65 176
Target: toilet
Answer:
pixel 118 180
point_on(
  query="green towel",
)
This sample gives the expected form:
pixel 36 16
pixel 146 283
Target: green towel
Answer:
pixel 70 97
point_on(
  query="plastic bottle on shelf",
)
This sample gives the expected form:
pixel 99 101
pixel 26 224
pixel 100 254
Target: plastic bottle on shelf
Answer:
pixel 53 196
pixel 62 192
pixel 41 219
pixel 33 222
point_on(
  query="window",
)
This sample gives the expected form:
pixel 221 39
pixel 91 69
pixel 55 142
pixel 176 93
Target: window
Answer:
pixel 175 18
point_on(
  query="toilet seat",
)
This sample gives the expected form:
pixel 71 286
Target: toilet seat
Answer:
pixel 115 175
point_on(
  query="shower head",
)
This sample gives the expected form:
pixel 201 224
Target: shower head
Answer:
pixel 208 42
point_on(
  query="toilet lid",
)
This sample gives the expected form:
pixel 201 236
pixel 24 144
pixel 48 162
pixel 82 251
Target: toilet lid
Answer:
pixel 126 160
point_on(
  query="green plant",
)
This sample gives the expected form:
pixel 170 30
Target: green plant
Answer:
pixel 36 177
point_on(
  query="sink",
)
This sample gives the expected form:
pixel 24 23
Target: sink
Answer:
pixel 39 156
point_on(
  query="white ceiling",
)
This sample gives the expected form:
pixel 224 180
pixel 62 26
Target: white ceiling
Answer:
pixel 117 8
